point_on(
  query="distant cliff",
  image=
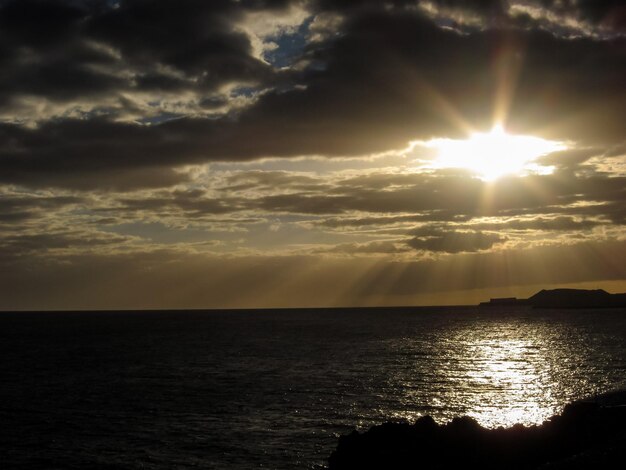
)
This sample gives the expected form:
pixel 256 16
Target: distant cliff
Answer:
pixel 564 298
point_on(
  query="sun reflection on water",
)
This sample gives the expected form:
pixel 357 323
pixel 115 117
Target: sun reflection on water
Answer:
pixel 499 371
pixel 503 366
pixel 504 377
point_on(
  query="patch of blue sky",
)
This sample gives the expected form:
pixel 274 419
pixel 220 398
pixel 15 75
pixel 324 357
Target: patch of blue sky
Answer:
pixel 113 3
pixel 245 91
pixel 159 118
pixel 289 45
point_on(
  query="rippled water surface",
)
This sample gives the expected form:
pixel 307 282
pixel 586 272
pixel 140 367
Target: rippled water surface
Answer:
pixel 274 389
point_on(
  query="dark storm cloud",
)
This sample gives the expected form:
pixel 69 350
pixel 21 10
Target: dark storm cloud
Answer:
pixel 609 13
pixel 63 50
pixel 485 6
pixel 390 76
pixel 84 154
pixel 195 37
pixel 42 52
pixel 482 7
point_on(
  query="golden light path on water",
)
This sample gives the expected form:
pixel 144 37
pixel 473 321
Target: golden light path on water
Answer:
pixel 499 372
pixel 502 366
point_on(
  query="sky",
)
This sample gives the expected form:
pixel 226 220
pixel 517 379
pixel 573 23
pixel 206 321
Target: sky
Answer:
pixel 305 153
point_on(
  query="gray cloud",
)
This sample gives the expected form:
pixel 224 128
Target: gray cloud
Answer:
pixel 389 77
pixel 455 242
pixel 15 209
pixel 370 248
pixel 264 180
pixel 340 222
pixel 29 245
pixel 570 158
pixel 559 223
pixel 380 200
pixel 453 197
pixel 66 50
pixel 192 203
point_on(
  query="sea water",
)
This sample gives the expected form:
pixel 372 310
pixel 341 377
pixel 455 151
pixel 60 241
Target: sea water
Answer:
pixel 275 388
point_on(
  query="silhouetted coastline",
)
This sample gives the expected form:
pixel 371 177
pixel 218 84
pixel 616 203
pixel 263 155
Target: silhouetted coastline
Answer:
pixel 563 298
pixel 588 434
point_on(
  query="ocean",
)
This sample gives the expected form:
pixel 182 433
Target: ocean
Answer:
pixel 275 388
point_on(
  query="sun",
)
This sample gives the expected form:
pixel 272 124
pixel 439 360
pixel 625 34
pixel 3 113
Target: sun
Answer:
pixel 494 154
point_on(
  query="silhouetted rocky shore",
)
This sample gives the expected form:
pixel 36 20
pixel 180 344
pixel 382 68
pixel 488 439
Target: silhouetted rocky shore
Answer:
pixel 564 298
pixel 589 434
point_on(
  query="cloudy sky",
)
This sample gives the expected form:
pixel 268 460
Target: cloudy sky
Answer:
pixel 203 154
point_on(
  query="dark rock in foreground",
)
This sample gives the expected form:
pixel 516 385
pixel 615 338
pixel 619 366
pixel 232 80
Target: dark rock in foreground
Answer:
pixel 587 435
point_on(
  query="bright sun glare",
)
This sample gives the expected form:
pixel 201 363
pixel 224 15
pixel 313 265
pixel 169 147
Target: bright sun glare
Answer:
pixel 494 154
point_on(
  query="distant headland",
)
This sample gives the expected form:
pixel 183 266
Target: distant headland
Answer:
pixel 563 298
